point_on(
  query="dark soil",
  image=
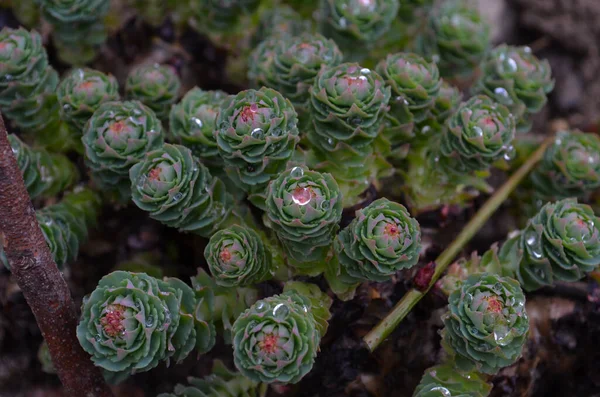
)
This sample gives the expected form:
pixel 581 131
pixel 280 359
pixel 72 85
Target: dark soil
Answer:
pixel 563 353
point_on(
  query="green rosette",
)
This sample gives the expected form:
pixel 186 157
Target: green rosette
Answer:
pixel 570 167
pixel 131 322
pixel 477 134
pixel 356 25
pixel 279 21
pixel 486 324
pixel 221 16
pixel 45 174
pixel 156 86
pixel 222 382
pixel 116 137
pixel 237 257
pixel 447 381
pixel 80 94
pixel 277 339
pixel 178 191
pixel 382 239
pixel 257 132
pixel 456 37
pixel 415 84
pixel 304 208
pixel 514 77
pixel 78 25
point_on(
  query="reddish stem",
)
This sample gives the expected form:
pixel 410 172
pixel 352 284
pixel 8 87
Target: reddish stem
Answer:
pixel 40 280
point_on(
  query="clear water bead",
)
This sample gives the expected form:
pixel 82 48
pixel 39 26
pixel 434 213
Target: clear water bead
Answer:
pixel 281 311
pixel 297 172
pixel 257 133
pixel 196 122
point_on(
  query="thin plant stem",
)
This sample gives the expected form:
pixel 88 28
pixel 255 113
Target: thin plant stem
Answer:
pixel 382 330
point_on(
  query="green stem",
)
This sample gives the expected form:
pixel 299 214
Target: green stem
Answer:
pixel 382 330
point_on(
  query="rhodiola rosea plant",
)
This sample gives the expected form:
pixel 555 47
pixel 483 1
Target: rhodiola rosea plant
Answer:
pixel 237 193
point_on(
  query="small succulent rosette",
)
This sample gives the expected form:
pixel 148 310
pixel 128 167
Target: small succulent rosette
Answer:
pixel 516 78
pixel 279 21
pixel 177 190
pixel 237 257
pixel 304 209
pixel 116 137
pixel 486 324
pixel 277 339
pixel 257 132
pixel 356 25
pixel 446 380
pixel 382 239
pixel 156 86
pixel 570 167
pixel 80 94
pixel 218 16
pixel 222 382
pixel 131 322
pixel 415 84
pixel 457 38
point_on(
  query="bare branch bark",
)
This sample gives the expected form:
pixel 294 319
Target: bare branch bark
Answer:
pixel 40 280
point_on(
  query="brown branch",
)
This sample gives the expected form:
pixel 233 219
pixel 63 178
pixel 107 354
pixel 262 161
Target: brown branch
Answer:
pixel 40 280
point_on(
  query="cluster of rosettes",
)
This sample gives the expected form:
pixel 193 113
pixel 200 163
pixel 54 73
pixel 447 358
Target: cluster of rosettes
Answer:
pixel 446 381
pixel 570 167
pixel 45 174
pixel 277 339
pixel 28 83
pixel 78 27
pixel 176 189
pixel 304 209
pixel 457 38
pixel 514 77
pixel 257 133
pixel 132 321
pixel 356 24
pixel 382 239
pixel 486 325
pixel 80 94
pixel 156 86
pixel 116 137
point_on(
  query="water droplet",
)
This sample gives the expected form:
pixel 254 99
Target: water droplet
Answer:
pixel 49 222
pixel 530 237
pixel 66 107
pixel 257 133
pixel 250 168
pixel 281 311
pixel 137 112
pixel 80 74
pixel 436 159
pixel 178 196
pixel 149 321
pixel 445 392
pixel 527 50
pixel 325 205
pixel 478 131
pixel 355 121
pixel 402 100
pixel 297 172
pixel 502 96
pixel 98 338
pixel 425 130
pixel 468 298
pixel 365 71
pixel 330 142
pixel 259 360
pixel 141 181
pixel 343 23
pixel 301 196
pixel 501 333
pixel 196 122
pixel 254 108
pixel 435 58
pixel 592 159
pixel 498 288
pixel 510 153
pixel 260 306
pixel 305 308
pixel 8 77
pixel 277 132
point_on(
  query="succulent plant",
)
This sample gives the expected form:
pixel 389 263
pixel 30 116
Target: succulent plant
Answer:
pixel 256 135
pixel 409 8
pixel 514 77
pixel 348 104
pixel 222 382
pixel 78 27
pixel 192 123
pixel 65 225
pixel 446 103
pixel 296 61
pixel 415 84
pixel 45 174
pixel 382 239
pixel 80 94
pixel 457 38
pixel 219 15
pixel 357 24
pixel 478 133
pixel 26 11
pixel 279 21
pixel 177 190
pixel 221 305
pixel 570 167
pixel 116 137
pixel 237 257
pixel 153 11
pixel 447 381
pixel 156 86
pixel 486 324
pixel 132 321
pixel 27 88
pixel 277 339
pixel 304 208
